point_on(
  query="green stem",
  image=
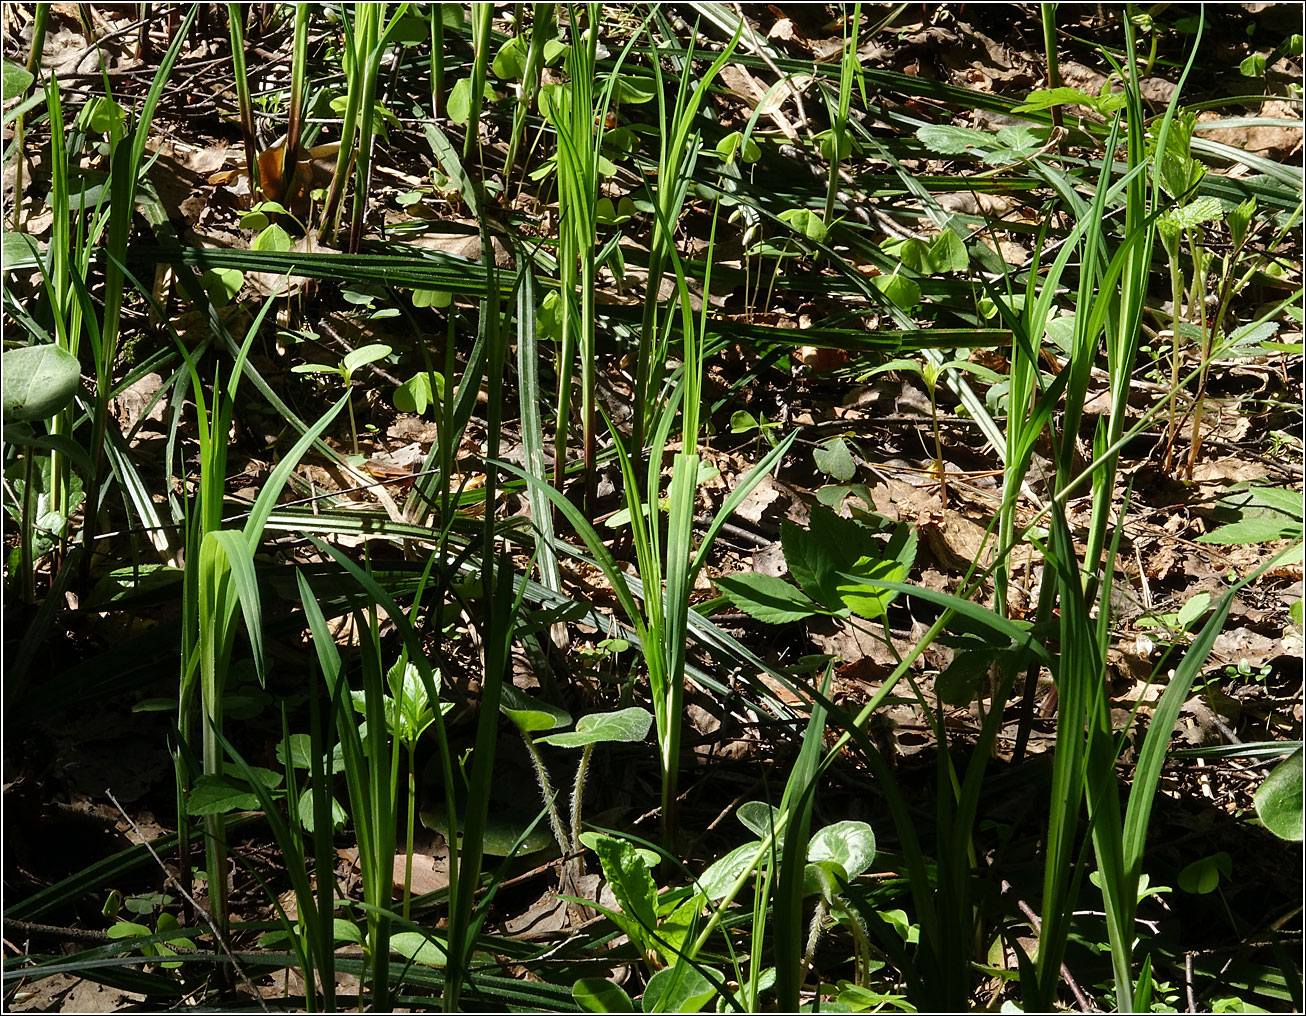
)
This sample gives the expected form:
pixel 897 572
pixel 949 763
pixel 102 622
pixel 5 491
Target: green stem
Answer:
pixel 412 815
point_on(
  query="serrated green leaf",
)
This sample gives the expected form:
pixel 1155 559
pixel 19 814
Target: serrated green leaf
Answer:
pixel 766 597
pixel 217 795
pixel 948 140
pixel 1254 530
pixel 630 881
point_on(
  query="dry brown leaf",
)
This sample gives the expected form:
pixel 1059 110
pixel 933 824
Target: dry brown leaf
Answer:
pixel 430 874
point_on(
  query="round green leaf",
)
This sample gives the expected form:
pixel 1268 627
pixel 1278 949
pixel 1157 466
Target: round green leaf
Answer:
pixel 595 994
pixel 15 80
pixel 849 844
pixel 624 725
pixel 1203 875
pixel 677 989
pixel 1279 799
pixel 37 382
pixel 415 946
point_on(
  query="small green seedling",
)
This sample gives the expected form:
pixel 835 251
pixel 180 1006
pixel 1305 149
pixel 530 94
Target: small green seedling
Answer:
pixel 825 559
pixel 930 373
pixel 353 360
pixel 408 713
pixel 744 422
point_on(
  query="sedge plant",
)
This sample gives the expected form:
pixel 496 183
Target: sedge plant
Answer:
pixel 667 565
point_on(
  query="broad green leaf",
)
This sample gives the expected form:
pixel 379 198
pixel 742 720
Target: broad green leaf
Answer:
pixel 356 358
pixel 595 994
pixel 633 89
pixel 1279 799
pixel 947 254
pixel 217 795
pixel 37 382
pixel 835 460
pixel 15 80
pixel 338 816
pixel 911 251
pixel 273 238
pixel 128 929
pixel 103 116
pixel 806 222
pixel 734 146
pixel 437 298
pixel 458 104
pixel 1264 529
pixel 503 828
pixel 300 747
pixel 631 883
pixel 419 948
pixel 742 421
pixel 761 818
pixel 723 873
pixel 948 140
pixel 899 290
pixel 346 931
pixel 608 214
pixel 531 714
pixel 849 844
pixel 414 395
pixel 958 682
pixel 221 285
pixel 834 146
pixel 1203 875
pixel 18 251
pixel 510 61
pixel 681 988
pixel 1191 612
pixel 630 724
pixel 555 51
pixel 766 597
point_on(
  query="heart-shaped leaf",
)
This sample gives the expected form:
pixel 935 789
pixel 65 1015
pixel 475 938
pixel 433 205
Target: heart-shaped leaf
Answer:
pixel 849 844
pixel 624 725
